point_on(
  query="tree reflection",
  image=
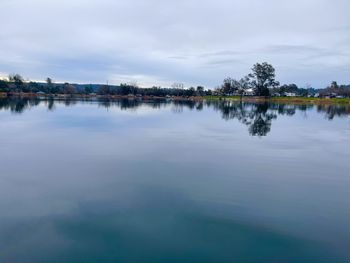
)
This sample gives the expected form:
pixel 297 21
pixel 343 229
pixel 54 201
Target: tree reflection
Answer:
pixel 332 111
pixel 51 105
pixel 18 105
pixel 258 117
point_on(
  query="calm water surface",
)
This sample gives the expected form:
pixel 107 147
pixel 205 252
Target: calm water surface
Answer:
pixel 133 181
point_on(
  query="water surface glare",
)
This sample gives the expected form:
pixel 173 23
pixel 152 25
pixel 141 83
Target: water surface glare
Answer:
pixel 157 181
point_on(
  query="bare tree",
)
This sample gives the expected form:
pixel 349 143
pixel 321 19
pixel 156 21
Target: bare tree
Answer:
pixel 69 89
pixel 178 86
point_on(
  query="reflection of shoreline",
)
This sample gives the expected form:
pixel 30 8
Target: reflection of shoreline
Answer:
pixel 257 116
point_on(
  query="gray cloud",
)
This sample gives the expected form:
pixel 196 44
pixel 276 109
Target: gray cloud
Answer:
pixel 159 42
pixel 224 61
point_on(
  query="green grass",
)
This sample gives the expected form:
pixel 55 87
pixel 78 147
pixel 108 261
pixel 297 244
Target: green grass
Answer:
pixel 286 99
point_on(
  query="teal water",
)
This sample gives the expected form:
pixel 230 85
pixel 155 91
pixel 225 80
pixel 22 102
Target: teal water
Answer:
pixel 156 181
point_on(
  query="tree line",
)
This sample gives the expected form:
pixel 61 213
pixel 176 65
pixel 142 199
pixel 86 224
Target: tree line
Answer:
pixel 15 83
pixel 260 82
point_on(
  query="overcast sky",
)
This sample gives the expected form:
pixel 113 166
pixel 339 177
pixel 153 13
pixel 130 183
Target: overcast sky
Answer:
pixel 197 42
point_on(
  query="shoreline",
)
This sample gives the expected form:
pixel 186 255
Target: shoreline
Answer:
pixel 294 100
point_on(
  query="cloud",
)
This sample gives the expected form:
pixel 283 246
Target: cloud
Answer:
pixel 224 61
pixel 190 41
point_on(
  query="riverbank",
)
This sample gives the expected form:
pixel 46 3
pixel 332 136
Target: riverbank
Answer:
pixel 95 96
pixel 295 100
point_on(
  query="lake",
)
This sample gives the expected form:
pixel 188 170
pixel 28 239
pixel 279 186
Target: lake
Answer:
pixel 166 181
